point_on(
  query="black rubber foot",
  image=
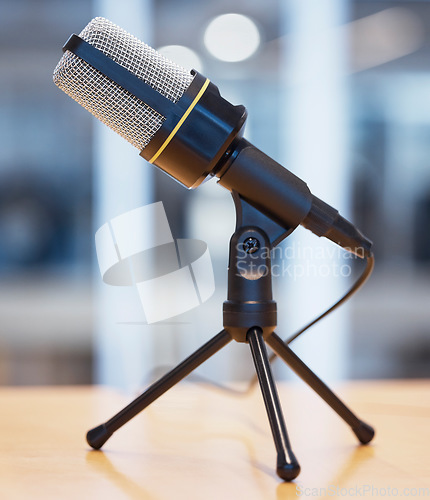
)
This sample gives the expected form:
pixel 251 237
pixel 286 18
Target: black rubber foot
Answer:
pixel 364 432
pixel 98 436
pixel 288 472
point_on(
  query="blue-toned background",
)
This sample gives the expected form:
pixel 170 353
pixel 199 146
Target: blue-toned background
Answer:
pixel 337 91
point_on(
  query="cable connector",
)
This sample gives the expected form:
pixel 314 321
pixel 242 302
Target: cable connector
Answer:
pixel 324 220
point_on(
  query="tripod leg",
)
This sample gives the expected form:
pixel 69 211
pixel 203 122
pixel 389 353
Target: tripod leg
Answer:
pixel 287 466
pixel 99 435
pixel 363 431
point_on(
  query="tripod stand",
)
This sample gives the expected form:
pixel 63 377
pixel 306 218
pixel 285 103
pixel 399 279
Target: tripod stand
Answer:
pixel 249 316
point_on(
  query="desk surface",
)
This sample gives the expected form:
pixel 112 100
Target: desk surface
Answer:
pixel 200 442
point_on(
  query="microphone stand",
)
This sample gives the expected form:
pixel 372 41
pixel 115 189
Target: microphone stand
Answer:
pixel 249 316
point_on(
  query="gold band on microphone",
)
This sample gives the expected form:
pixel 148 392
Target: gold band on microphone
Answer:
pixel 181 121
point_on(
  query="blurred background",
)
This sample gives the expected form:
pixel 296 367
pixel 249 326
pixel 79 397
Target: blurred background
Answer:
pixel 338 91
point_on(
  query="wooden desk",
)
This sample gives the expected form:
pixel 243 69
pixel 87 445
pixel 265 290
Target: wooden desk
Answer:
pixel 199 442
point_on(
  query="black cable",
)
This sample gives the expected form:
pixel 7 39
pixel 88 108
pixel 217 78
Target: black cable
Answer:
pixel 354 288
pixel 370 262
pixel 160 370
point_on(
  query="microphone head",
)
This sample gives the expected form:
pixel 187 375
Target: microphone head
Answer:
pixel 120 110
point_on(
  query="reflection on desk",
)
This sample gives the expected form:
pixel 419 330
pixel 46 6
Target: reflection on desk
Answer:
pixel 201 442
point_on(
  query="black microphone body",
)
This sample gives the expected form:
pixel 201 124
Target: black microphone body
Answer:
pixel 195 135
pixel 286 199
pixel 210 143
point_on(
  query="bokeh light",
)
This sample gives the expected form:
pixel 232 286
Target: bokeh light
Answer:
pixel 232 37
pixel 183 56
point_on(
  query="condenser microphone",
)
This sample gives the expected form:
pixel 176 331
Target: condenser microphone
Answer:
pixel 179 122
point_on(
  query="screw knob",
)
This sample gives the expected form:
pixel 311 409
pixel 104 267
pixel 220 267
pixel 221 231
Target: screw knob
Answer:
pixel 251 245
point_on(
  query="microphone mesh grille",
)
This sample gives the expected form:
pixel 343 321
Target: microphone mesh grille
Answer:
pixel 120 110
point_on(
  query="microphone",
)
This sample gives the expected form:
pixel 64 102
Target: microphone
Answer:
pixel 180 123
